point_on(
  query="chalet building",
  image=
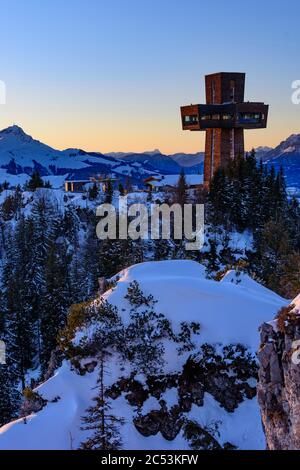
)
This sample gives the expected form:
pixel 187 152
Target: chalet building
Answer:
pixel 76 186
pixel 224 118
pixel 168 182
pixel 80 186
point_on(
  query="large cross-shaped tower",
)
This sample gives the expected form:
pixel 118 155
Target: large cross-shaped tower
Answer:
pixel 224 118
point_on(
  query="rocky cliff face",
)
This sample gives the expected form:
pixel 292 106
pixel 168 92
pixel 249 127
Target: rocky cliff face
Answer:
pixel 279 379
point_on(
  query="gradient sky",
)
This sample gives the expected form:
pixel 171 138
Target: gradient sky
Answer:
pixel 111 75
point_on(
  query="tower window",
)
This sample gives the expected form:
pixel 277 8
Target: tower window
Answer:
pixel 206 117
pixel 232 90
pixel 227 117
pixel 213 92
pixel 189 120
pixel 250 117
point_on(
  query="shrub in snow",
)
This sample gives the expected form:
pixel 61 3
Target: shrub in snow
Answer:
pixel 200 438
pixel 33 402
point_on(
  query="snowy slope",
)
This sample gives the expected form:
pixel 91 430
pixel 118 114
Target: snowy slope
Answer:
pixel 247 283
pixel 227 313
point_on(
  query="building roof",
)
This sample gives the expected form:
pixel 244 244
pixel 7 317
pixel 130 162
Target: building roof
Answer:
pixel 172 180
pixel 78 181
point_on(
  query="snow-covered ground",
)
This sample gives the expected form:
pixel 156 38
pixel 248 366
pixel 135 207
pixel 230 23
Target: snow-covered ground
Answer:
pixel 228 312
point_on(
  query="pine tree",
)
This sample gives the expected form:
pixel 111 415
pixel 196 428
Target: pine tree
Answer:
pixel 93 192
pixel 181 195
pixel 47 184
pixel 272 247
pixel 219 198
pixel 128 184
pixel 109 192
pixel 293 223
pixel 56 300
pixel 121 189
pixel 11 206
pixel 35 181
pixel 114 255
pixel 90 256
pixel 73 250
pixel 289 280
pixel 212 257
pixel 100 419
pixel 163 249
pixel 9 396
pixel 44 227
pixel 17 302
pixel 146 330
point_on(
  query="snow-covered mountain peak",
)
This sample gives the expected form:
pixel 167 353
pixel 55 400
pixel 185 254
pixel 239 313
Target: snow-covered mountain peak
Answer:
pixel 15 132
pixel 152 152
pixel 293 139
pixel 263 148
pixel 288 147
pixel 287 156
pixel 291 144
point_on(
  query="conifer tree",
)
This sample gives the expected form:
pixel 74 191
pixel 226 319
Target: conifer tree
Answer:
pixel 56 300
pixel 212 257
pixel 93 192
pixel 163 249
pixel 17 302
pixel 273 246
pixel 90 271
pixel 115 255
pixel 219 198
pixel 9 396
pixel 109 192
pixel 121 189
pixel 99 419
pixel 181 195
pixel 44 227
pixel 146 330
pixel 35 181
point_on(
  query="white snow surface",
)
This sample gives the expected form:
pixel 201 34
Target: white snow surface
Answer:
pixel 296 303
pixel 172 180
pixel 227 312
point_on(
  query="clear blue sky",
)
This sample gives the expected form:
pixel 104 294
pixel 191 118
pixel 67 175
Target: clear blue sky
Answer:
pixel 111 75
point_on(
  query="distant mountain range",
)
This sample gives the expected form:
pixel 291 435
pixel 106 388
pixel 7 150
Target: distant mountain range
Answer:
pixel 169 164
pixel 20 154
pixel 287 155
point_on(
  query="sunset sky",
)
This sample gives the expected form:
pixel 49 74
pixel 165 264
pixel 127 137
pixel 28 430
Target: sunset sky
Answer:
pixel 112 75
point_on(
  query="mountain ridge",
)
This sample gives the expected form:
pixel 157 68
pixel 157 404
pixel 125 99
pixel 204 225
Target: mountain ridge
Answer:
pixel 21 154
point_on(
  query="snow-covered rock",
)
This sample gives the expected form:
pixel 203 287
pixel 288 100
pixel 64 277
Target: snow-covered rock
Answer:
pixel 228 314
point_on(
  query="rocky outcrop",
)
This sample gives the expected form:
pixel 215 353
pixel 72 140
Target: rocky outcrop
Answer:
pixel 279 380
pixel 167 422
pixel 224 374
